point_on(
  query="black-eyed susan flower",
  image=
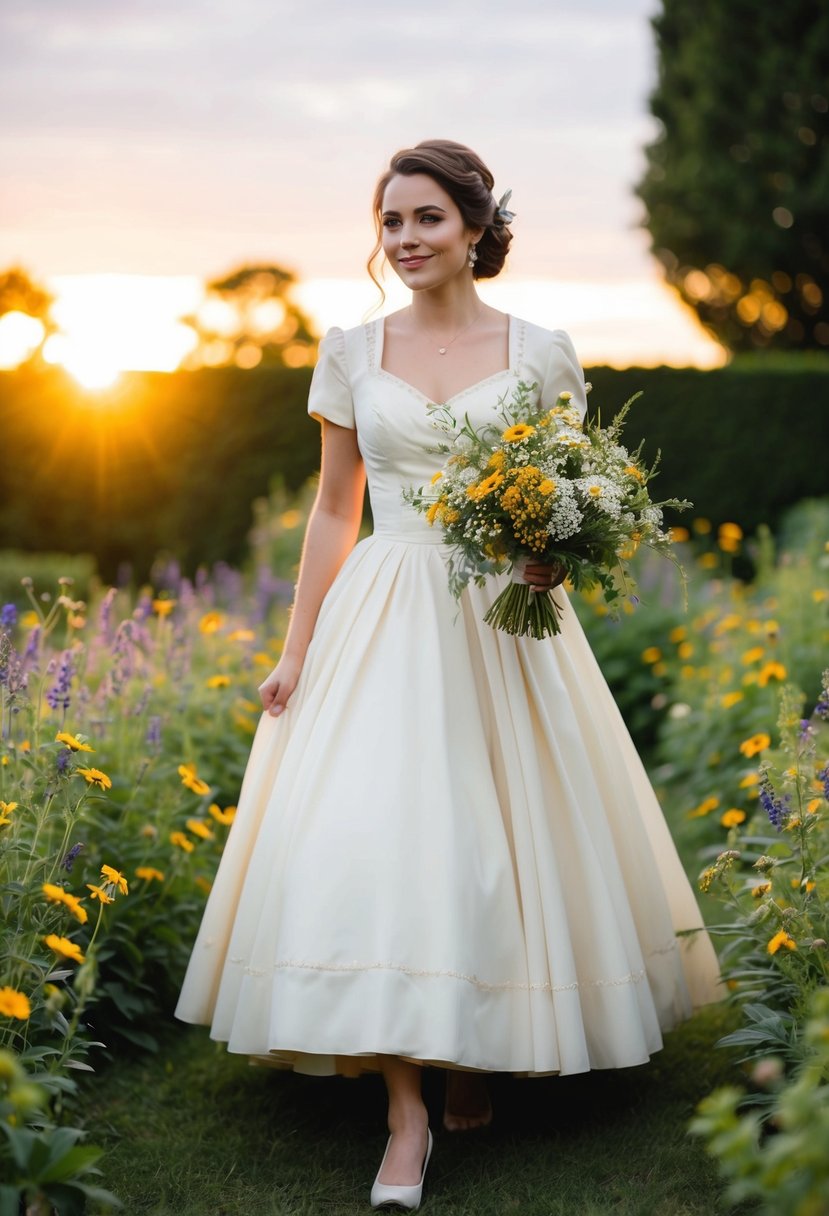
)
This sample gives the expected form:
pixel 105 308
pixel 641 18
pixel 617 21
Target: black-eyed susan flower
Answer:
pixel 100 894
pixel 199 828
pixel 211 622
pixel 115 878
pixel 760 889
pixel 182 842
pixel 64 947
pixel 771 671
pixel 222 816
pixel 163 608
pixel 729 699
pixel 757 743
pixel 94 776
pixel 14 1004
pixel 149 874
pixel 6 809
pixel 517 433
pixel 219 681
pixel 732 817
pixel 75 744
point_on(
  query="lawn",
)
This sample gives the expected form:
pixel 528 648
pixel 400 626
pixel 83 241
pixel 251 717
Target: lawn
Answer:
pixel 194 1131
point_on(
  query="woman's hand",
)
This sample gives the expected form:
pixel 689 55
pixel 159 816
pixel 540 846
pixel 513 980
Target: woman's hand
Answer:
pixel 544 578
pixel 276 690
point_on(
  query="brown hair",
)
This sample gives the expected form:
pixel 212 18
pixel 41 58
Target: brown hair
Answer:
pixel 468 182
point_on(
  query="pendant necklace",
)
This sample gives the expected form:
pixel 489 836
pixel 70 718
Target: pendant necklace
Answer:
pixel 443 349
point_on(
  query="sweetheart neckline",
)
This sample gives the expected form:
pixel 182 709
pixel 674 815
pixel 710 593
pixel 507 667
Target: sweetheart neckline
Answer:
pixel 379 370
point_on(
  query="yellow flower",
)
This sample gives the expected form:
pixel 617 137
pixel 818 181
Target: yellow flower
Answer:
pixel 57 895
pixel 632 471
pixel 685 650
pixel 183 842
pixel 731 621
pixel 652 655
pixel 730 698
pixel 547 487
pixel 760 889
pixel 222 816
pixel 732 531
pixel 521 430
pixel 436 477
pixel 203 884
pixel 199 828
pixel 678 634
pixel 211 622
pixel 750 780
pixel 486 486
pixel 263 659
pixel 771 671
pixel 708 805
pixel 6 809
pixel 708 561
pixel 702 526
pixel 187 772
pixel 813 806
pixel 431 514
pixel 64 947
pixel 497 460
pixel 14 1004
pixel 149 873
pixel 75 744
pixel 116 878
pixel 679 535
pixel 820 595
pixel 75 907
pixel 753 655
pixel 218 682
pixel 781 939
pixel 732 817
pixel 241 635
pixel 757 743
pixel 94 776
pixel 163 608
pixel 100 894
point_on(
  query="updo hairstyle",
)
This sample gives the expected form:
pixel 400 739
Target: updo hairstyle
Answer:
pixel 468 182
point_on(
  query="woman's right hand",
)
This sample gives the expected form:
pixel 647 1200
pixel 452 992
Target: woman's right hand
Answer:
pixel 277 689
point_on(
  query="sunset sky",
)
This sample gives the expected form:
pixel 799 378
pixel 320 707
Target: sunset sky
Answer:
pixel 180 141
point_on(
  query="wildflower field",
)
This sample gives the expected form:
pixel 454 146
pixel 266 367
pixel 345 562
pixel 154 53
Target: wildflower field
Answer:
pixel 127 715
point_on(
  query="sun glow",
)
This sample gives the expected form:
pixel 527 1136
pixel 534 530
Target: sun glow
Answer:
pixel 111 323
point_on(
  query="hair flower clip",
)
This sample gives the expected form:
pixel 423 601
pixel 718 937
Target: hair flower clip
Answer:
pixel 501 213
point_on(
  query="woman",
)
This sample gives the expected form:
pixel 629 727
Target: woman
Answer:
pixel 446 850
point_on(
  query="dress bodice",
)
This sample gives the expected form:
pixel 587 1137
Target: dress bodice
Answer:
pixel 396 434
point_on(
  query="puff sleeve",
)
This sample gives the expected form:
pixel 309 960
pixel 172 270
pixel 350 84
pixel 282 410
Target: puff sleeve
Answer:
pixel 564 373
pixel 330 394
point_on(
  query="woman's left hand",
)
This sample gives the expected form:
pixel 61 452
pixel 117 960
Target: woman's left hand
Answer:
pixel 542 577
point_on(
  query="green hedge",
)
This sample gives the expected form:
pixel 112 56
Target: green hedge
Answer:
pixel 173 462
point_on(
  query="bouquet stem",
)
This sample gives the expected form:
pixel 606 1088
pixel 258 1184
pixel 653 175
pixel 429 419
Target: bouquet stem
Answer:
pixel 520 609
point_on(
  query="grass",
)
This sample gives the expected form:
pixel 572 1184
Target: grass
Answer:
pixel 194 1131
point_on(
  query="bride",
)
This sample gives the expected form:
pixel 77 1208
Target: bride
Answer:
pixel 446 851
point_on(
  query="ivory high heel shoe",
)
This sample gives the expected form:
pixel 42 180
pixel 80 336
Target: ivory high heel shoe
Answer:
pixel 407 1197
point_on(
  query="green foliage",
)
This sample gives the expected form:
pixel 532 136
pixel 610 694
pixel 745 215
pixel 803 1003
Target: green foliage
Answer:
pixel 736 185
pixel 786 1171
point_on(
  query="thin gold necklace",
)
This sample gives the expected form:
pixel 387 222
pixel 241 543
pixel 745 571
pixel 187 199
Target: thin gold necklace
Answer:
pixel 443 349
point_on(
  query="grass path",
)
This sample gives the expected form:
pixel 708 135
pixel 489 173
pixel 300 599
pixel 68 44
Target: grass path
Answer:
pixel 194 1131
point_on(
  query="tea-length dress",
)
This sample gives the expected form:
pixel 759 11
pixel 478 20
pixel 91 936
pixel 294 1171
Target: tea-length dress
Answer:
pixel 446 848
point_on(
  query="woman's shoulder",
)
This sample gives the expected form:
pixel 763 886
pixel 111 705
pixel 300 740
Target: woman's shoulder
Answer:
pixel 541 338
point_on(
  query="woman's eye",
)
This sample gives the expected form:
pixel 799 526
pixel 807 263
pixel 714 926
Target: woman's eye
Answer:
pixel 390 222
pixel 432 218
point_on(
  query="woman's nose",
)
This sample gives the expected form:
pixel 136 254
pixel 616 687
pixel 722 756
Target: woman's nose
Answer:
pixel 408 239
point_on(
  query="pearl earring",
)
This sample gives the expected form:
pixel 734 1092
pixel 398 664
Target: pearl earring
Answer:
pixel 473 256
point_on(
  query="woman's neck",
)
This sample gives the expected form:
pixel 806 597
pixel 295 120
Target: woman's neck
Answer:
pixel 450 306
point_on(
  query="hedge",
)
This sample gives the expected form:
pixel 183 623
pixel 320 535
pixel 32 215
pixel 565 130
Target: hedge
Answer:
pixel 173 462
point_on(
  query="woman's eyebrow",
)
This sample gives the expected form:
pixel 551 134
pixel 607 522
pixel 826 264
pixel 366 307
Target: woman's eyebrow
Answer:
pixel 419 210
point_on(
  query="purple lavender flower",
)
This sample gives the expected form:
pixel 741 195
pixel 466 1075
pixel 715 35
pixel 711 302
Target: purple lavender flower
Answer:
pixel 32 645
pixel 63 757
pixel 71 855
pixel 805 729
pixel 153 736
pixel 822 708
pixel 824 777
pixel 777 809
pixel 58 695
pixel 105 613
pixel 8 616
pixel 144 608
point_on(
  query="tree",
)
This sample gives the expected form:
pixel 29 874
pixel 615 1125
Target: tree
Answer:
pixel 25 317
pixel 248 317
pixel 737 182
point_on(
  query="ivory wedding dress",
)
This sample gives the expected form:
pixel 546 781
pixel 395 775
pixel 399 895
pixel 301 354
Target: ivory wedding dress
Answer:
pixel 446 848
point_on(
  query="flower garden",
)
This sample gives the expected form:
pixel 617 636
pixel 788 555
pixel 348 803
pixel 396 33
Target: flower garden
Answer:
pixel 127 716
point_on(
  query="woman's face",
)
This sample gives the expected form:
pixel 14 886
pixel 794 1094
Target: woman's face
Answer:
pixel 424 235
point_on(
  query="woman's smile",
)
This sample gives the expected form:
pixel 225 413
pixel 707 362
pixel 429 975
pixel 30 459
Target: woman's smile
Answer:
pixel 412 260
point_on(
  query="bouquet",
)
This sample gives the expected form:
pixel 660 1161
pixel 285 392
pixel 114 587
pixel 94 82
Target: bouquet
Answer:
pixel 538 485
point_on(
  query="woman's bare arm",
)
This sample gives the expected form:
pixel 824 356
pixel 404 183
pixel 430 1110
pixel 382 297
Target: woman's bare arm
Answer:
pixel 333 527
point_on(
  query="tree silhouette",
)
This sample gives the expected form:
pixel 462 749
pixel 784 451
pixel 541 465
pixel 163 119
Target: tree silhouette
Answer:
pixel 20 294
pixel 737 183
pixel 249 318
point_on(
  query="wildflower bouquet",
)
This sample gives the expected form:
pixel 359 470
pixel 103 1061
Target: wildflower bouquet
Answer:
pixel 539 486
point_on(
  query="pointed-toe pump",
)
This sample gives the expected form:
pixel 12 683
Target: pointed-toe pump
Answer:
pixel 407 1197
